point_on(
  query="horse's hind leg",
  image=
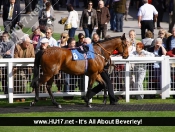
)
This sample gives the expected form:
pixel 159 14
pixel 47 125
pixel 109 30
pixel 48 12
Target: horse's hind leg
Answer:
pixel 36 87
pixel 101 79
pixel 49 86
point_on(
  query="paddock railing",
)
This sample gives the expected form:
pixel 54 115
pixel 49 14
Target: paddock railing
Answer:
pixel 125 78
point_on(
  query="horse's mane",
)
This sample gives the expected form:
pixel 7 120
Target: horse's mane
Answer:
pixel 107 39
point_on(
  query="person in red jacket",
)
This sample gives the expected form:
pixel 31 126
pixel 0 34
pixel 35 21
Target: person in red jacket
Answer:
pixel 171 53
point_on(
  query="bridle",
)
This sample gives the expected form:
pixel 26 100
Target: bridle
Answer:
pixel 104 49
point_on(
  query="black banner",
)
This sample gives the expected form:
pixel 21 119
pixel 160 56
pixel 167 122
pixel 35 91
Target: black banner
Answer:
pixel 87 121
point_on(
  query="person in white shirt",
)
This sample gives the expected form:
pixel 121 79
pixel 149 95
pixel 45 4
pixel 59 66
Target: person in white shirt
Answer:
pixel 52 41
pixel 145 17
pixel 72 19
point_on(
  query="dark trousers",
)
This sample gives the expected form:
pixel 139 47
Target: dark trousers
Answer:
pixel 7 26
pixel 119 22
pixel 28 5
pixel 62 3
pixel 171 22
pixel 99 87
pixel 1 3
pixel 112 19
pixel 146 24
pixel 88 31
pixel 71 32
pixel 55 4
pixel 34 3
pixel 102 28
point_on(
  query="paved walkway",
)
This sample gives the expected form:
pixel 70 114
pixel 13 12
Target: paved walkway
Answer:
pixel 95 107
pixel 32 19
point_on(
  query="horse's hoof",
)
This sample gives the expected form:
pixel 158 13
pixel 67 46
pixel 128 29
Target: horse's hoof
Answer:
pixel 59 106
pixel 32 103
pixel 88 105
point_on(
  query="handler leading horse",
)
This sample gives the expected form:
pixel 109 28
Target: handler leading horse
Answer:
pixel 54 59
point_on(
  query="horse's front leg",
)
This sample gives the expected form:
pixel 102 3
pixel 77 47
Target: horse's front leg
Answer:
pixel 49 87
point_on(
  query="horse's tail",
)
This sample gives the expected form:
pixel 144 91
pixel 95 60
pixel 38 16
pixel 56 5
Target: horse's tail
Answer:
pixel 35 79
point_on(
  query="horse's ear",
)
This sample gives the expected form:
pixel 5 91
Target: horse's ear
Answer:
pixel 123 36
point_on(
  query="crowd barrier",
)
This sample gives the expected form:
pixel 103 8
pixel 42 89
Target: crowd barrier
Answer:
pixel 122 79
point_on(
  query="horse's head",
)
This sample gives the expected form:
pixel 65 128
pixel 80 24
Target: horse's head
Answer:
pixel 110 44
pixel 122 47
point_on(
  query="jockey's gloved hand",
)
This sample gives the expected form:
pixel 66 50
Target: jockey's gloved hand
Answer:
pixel 86 48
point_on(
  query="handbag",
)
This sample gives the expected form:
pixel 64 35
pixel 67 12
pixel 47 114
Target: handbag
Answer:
pixel 62 20
pixel 67 26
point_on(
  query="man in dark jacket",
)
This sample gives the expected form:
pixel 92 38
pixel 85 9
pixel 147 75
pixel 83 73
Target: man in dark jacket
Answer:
pixel 11 15
pixel 103 17
pixel 119 9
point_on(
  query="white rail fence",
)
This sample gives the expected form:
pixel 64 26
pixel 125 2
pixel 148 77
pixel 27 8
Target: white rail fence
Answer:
pixel 165 84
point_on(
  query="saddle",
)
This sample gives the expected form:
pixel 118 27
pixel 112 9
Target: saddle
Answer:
pixel 83 52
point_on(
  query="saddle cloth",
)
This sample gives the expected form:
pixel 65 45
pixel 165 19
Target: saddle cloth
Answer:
pixel 79 54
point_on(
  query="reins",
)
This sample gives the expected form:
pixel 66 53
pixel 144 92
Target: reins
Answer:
pixel 104 48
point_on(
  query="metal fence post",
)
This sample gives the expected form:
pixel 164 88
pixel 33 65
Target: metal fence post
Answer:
pixel 165 77
pixel 127 81
pixel 10 81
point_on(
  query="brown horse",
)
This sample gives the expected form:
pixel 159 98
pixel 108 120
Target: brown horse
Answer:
pixel 54 59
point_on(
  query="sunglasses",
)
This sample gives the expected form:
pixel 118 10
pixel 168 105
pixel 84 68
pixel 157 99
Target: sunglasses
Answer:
pixel 81 38
pixel 48 32
pixel 63 37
